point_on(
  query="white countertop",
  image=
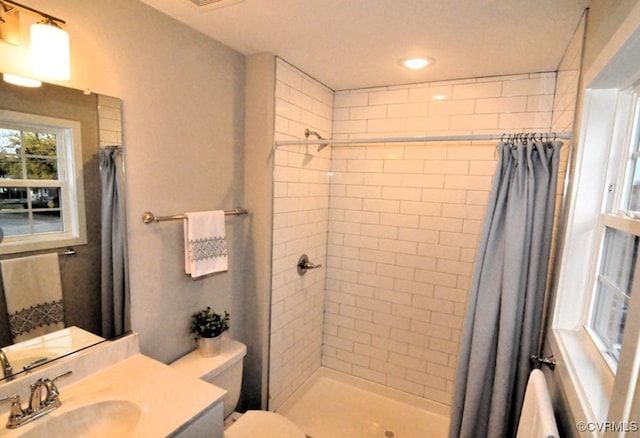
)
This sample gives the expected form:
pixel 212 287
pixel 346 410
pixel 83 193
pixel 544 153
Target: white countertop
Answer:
pixel 168 400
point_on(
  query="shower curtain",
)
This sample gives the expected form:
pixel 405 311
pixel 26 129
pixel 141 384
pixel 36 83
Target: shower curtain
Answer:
pixel 114 281
pixel 505 302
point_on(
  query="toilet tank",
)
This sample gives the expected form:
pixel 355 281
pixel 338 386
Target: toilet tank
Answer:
pixel 223 370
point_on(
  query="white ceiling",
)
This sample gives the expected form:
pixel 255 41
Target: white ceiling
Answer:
pixel 348 44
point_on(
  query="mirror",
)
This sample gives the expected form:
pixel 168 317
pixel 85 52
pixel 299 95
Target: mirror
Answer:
pixel 80 271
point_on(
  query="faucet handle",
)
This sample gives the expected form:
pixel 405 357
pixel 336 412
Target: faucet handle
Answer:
pixel 16 413
pixel 14 399
pixel 52 390
pixel 33 363
pixel 61 375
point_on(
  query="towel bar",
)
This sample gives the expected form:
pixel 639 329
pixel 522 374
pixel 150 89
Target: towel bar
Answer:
pixel 148 217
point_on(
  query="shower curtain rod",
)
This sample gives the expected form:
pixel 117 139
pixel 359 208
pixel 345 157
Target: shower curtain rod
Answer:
pixel 437 138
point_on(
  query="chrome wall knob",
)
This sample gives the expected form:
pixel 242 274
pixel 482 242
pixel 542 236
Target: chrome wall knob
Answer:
pixel 304 265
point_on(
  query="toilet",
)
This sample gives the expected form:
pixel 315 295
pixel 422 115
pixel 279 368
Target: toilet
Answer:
pixel 225 371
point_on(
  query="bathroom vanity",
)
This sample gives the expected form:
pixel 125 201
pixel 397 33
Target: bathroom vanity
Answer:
pixel 113 390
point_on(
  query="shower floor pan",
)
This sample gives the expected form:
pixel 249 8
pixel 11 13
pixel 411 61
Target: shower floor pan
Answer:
pixel 332 404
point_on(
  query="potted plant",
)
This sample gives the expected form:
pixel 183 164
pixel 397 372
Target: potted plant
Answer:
pixel 208 325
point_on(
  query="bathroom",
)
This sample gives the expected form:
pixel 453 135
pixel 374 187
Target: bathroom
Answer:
pixel 189 129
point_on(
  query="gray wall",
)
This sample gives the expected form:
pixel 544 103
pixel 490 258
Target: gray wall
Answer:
pixel 605 16
pixel 183 118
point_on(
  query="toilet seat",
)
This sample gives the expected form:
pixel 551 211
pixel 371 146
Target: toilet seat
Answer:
pixel 263 424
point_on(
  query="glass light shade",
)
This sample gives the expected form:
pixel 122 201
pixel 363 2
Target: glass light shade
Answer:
pixel 50 56
pixel 21 80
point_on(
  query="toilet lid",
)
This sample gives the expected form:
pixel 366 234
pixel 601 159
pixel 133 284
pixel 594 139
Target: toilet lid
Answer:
pixel 264 425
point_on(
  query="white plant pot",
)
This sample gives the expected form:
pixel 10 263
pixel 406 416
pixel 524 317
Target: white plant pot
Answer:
pixel 209 346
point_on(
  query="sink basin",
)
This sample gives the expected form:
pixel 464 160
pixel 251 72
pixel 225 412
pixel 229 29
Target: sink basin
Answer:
pixel 115 396
pixel 109 418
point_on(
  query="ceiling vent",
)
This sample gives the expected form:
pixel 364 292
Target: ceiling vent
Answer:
pixel 214 4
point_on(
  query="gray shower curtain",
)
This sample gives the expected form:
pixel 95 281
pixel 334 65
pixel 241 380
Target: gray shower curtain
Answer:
pixel 115 281
pixel 504 308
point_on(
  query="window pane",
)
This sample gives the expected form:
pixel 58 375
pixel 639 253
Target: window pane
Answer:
pixel 10 141
pixel 42 168
pixel 613 290
pixel 39 143
pixel 632 177
pixel 45 197
pixel 46 215
pixel 13 198
pixel 618 258
pixel 15 224
pixel 609 319
pixel 10 167
pixel 634 193
pixel 47 222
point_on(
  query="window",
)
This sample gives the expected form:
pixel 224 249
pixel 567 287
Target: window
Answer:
pixel 596 325
pixel 613 292
pixel 41 190
pixel 595 333
pixel 620 231
pixel 30 192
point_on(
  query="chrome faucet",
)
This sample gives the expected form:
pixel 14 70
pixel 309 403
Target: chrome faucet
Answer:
pixel 38 406
pixel 7 370
pixel 52 394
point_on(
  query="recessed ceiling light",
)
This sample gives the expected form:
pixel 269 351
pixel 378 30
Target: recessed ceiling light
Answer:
pixel 439 96
pixel 416 63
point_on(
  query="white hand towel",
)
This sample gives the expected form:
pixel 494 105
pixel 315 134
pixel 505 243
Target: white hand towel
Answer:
pixel 537 419
pixel 205 243
pixel 33 292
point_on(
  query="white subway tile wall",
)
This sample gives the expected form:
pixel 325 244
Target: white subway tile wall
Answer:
pixel 396 226
pixel 110 120
pixel 405 220
pixel 301 210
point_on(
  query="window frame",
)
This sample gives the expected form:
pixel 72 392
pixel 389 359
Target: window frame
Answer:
pixel 615 202
pixel 585 379
pixel 70 181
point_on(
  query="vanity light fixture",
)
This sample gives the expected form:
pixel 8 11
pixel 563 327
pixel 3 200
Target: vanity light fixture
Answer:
pixel 21 81
pixel 9 25
pixel 50 56
pixel 416 63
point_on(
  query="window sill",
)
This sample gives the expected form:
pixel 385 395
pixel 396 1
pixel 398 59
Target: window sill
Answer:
pixel 61 240
pixel 585 377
